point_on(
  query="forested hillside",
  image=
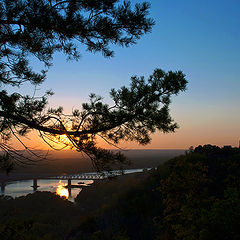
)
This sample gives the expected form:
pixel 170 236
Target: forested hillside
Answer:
pixel 193 196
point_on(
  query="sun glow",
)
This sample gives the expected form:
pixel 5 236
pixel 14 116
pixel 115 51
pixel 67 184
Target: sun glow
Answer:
pixel 61 190
pixel 60 141
pixel 64 139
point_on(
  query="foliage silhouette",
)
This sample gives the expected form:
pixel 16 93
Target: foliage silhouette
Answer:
pixel 193 196
pixel 41 28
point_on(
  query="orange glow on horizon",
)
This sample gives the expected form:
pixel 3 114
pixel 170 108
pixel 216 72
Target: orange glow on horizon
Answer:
pixel 189 134
pixel 61 190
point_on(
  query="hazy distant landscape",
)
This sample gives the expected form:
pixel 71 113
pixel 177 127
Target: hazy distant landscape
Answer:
pixel 69 162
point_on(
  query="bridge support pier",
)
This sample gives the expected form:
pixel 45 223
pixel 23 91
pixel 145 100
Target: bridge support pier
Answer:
pixel 69 187
pixel 35 186
pixel 3 185
pixel 69 191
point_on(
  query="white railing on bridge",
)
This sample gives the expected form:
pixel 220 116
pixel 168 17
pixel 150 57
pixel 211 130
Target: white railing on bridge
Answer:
pixel 95 176
pixel 80 177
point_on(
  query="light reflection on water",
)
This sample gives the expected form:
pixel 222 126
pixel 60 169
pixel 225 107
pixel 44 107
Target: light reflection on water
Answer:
pixel 61 190
pixel 23 187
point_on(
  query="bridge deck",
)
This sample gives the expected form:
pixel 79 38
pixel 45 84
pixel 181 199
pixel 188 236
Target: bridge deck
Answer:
pixel 79 177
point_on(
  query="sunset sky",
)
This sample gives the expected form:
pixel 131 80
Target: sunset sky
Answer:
pixel 201 38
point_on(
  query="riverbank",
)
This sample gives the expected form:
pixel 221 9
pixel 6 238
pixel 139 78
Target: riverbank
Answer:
pixel 105 192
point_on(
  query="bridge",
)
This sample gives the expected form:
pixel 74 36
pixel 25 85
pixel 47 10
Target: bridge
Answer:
pixel 80 176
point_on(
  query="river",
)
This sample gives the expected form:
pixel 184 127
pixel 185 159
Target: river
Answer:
pixel 24 187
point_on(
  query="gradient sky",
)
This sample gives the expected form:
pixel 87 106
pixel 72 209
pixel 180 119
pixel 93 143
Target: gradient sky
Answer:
pixel 201 38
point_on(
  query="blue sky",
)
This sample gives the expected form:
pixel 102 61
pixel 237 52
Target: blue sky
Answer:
pixel 201 38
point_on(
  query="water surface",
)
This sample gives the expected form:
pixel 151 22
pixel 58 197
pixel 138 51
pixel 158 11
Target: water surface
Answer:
pixel 24 187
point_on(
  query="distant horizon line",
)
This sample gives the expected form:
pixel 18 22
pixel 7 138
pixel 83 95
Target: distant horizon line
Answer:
pixel 106 149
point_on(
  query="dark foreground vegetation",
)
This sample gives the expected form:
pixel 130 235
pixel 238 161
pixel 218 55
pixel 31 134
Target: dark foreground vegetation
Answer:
pixel 193 196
